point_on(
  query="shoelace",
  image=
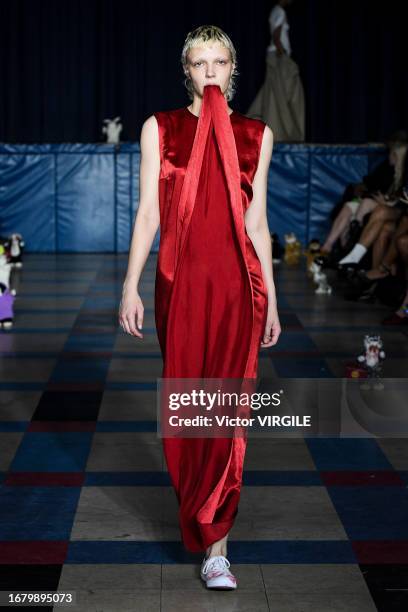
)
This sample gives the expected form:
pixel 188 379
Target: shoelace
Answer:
pixel 216 563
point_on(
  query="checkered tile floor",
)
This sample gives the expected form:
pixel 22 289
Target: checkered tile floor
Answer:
pixel 85 499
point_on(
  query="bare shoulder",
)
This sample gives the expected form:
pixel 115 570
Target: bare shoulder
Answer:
pixel 150 126
pixel 267 143
pixel 268 134
pixel 149 137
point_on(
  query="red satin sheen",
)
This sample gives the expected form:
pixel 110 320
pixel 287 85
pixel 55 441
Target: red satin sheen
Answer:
pixel 210 297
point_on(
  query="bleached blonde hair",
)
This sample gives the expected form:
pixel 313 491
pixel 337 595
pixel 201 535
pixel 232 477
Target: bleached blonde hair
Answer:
pixel 400 151
pixel 204 34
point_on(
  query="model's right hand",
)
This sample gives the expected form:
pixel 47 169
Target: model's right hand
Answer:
pixel 131 312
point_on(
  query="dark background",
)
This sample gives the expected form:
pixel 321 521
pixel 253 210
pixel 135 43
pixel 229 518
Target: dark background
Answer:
pixel 66 65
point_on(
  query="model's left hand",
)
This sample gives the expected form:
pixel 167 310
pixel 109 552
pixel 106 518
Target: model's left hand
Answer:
pixel 272 328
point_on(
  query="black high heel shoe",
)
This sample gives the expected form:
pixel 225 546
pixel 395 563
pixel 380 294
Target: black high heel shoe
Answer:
pixel 358 292
pixel 368 295
pixel 369 281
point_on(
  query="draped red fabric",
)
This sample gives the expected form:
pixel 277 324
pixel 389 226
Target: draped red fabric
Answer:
pixel 210 306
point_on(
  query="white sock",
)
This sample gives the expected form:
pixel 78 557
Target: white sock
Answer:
pixel 357 252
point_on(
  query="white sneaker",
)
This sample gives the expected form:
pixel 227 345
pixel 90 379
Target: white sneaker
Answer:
pixel 215 572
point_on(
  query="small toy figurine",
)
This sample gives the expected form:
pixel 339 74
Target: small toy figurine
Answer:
pixel 372 356
pixel 320 277
pixel 15 250
pixel 313 250
pixel 292 249
pixel 112 129
pixel 6 307
pixel 5 267
pixel 5 242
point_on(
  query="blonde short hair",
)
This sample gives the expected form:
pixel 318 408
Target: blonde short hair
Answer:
pixel 400 150
pixel 204 34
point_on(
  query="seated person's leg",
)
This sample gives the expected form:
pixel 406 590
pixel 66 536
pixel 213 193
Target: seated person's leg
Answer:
pixel 384 252
pixel 380 215
pixel 367 206
pixel 340 224
pixel 390 258
pixel 400 317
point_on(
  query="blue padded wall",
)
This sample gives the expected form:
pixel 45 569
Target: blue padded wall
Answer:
pixel 83 197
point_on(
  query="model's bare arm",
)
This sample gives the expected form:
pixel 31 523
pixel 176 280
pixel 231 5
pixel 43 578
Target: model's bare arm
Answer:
pixel 256 223
pixel 146 223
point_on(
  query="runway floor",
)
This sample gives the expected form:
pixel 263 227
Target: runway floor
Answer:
pixel 85 499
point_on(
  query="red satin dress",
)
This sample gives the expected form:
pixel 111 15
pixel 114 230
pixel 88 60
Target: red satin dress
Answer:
pixel 210 297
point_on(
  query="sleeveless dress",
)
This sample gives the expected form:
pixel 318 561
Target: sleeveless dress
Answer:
pixel 210 297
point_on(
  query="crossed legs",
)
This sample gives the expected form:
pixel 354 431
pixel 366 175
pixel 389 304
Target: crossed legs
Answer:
pixel 386 249
pixel 342 221
pixel 379 217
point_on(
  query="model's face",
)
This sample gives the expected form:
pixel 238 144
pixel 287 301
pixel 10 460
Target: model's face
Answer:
pixel 209 64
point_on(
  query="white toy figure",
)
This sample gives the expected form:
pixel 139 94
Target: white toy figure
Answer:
pixel 319 277
pixel 16 249
pixel 5 268
pixel 113 129
pixel 372 356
